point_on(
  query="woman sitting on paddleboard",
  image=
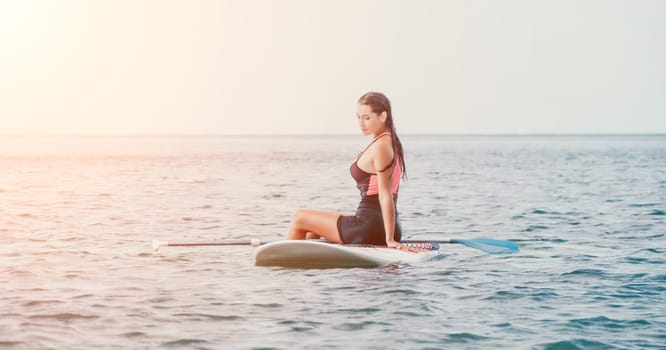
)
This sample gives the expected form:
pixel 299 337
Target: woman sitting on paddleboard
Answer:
pixel 377 171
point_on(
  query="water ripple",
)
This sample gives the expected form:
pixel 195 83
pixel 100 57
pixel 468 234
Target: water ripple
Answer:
pixel 578 344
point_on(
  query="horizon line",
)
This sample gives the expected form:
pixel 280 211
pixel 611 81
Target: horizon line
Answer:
pixel 551 134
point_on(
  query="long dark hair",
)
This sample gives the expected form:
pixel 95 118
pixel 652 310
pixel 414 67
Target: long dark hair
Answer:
pixel 380 103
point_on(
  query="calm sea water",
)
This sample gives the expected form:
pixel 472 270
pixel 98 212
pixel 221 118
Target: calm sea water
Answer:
pixel 78 214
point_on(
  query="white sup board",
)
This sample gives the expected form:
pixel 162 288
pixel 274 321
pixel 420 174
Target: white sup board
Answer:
pixel 318 254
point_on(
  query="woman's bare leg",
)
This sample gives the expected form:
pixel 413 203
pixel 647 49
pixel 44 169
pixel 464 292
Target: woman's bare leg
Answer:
pixel 314 222
pixel 311 235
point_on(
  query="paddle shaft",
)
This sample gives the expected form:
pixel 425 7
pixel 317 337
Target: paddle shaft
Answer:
pixel 204 244
pixel 252 242
pixel 484 244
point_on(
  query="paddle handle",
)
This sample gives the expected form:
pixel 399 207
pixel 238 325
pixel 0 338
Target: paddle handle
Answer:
pixel 252 242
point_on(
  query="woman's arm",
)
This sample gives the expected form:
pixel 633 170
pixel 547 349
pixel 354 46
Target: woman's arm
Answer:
pixel 382 157
pixel 387 205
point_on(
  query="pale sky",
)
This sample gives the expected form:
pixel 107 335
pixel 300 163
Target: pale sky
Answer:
pixel 298 66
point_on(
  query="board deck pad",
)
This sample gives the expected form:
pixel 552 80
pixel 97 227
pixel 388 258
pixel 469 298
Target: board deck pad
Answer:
pixel 319 254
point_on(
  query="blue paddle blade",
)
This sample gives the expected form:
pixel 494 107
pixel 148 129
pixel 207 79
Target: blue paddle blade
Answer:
pixel 492 246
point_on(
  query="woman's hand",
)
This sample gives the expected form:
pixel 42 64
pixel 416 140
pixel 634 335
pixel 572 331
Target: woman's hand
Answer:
pixel 397 245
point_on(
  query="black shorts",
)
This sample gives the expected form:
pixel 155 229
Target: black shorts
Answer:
pixel 367 225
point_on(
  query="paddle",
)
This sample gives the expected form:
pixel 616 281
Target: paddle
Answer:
pixel 492 246
pixel 488 245
pixel 253 242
